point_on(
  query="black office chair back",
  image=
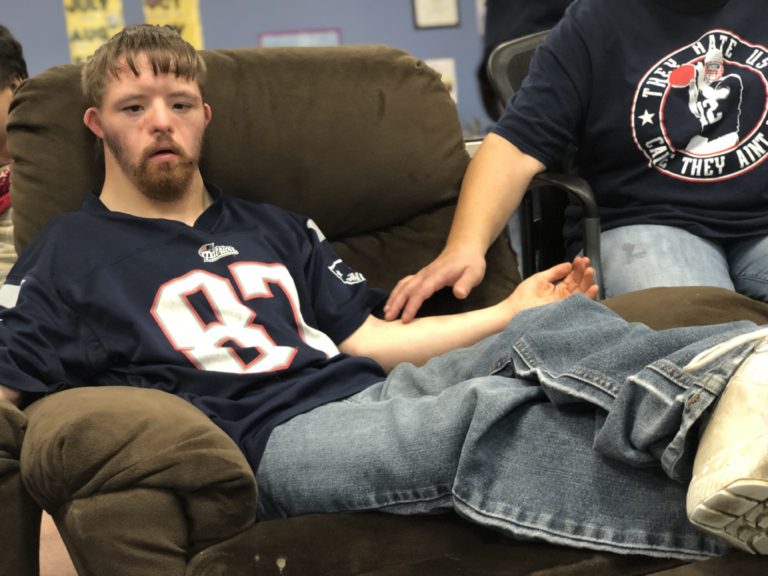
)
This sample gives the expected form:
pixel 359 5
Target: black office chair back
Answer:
pixel 508 63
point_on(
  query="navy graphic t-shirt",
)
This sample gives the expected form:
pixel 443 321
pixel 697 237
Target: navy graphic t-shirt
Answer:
pixel 239 314
pixel 668 109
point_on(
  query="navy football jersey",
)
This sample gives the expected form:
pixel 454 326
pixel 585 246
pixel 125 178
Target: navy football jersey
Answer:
pixel 239 314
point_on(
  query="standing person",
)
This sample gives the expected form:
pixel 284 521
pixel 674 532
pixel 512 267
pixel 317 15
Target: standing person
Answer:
pixel 508 19
pixel 245 311
pixel 624 82
pixel 13 71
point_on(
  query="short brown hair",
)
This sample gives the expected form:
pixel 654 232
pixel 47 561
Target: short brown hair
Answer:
pixel 168 53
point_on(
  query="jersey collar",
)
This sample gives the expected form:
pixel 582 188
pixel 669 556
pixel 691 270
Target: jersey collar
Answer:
pixel 206 222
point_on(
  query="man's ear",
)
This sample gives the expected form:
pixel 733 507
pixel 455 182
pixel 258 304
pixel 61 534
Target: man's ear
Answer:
pixel 92 119
pixel 208 113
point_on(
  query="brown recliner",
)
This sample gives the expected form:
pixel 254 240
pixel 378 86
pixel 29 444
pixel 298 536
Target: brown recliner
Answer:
pixel 20 524
pixel 366 141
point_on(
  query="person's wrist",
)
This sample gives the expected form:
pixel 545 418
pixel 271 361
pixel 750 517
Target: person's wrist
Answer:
pixel 465 248
pixel 509 307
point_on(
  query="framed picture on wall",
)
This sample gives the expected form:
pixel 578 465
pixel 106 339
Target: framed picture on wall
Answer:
pixel 447 69
pixel 436 13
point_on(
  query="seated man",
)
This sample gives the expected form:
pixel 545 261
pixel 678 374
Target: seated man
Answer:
pixel 546 421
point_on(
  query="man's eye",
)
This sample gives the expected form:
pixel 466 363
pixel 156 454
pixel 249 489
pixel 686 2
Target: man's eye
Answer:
pixel 181 106
pixel 133 109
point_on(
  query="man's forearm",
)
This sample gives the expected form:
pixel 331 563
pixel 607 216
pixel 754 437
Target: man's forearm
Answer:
pixel 493 187
pixel 13 396
pixel 390 343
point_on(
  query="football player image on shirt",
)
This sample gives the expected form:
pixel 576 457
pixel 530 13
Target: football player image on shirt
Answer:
pixel 715 100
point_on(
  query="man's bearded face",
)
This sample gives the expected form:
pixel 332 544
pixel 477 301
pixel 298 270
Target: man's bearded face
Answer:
pixel 165 179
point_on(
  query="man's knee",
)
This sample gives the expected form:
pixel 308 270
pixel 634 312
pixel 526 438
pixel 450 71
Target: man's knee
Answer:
pixel 639 257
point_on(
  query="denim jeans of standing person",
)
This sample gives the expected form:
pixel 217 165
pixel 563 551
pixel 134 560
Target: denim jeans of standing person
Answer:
pixel 571 426
pixel 646 256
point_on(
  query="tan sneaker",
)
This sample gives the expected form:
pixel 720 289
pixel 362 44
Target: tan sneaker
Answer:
pixel 728 495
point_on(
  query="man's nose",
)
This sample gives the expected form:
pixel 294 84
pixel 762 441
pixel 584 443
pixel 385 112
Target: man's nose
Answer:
pixel 160 118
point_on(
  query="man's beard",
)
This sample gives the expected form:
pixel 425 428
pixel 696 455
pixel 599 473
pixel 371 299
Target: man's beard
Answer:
pixel 159 181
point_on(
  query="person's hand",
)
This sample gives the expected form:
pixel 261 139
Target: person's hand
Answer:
pixel 9 394
pixel 554 284
pixel 462 270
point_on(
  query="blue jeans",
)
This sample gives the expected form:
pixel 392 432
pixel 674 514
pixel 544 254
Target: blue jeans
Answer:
pixel 565 427
pixel 644 256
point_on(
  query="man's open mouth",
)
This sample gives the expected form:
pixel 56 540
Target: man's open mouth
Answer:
pixel 165 152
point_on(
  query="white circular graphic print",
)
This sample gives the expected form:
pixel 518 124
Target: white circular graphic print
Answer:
pixel 699 114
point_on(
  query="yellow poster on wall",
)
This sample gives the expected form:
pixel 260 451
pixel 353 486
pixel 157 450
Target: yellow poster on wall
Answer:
pixel 90 23
pixel 182 15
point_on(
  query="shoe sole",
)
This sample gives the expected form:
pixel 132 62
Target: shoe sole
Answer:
pixel 738 514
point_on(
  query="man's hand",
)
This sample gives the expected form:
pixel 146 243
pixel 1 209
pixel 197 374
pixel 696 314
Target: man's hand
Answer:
pixel 462 270
pixel 13 396
pixel 554 284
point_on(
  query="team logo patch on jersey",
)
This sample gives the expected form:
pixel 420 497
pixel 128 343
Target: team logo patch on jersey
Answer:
pixel 345 273
pixel 699 114
pixel 211 252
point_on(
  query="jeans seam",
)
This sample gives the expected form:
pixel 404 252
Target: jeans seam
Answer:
pixel 594 379
pixel 673 374
pixel 440 493
pixel 571 538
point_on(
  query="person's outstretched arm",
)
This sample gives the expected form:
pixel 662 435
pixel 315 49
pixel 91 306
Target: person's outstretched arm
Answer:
pixel 390 343
pixel 495 182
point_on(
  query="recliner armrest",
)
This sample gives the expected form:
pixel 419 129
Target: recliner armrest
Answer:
pixel 134 478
